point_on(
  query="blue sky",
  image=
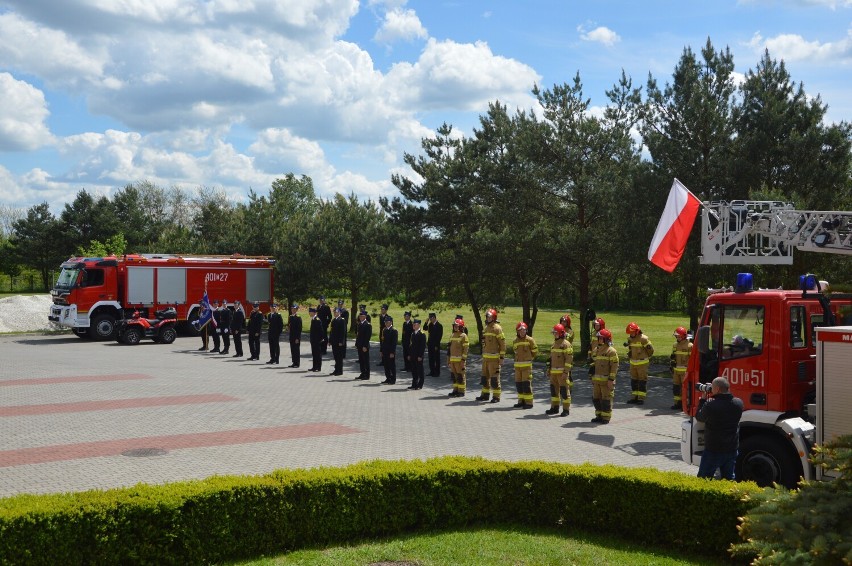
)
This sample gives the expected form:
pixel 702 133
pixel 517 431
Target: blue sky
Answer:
pixel 230 94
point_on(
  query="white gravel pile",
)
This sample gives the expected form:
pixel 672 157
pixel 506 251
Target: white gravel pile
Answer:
pixel 26 314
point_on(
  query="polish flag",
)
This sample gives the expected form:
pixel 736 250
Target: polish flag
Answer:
pixel 674 227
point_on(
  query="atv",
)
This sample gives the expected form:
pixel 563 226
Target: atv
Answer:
pixel 159 329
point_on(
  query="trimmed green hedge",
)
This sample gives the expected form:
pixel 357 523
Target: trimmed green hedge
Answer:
pixel 230 518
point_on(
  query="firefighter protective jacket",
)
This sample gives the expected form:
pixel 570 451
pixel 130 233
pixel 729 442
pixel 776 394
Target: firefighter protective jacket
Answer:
pixel 639 349
pixel 525 351
pixel 459 344
pixel 561 355
pixel 681 351
pixel 606 361
pixel 494 341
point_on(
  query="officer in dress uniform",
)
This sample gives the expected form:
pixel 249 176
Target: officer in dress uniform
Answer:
pixel 362 344
pixel 255 325
pixel 383 315
pixel 436 334
pixel 338 340
pixel 344 314
pixel 388 347
pixel 238 321
pixel 294 324
pixel 225 319
pixel 215 326
pixel 407 330
pixel 276 326
pixel 417 353
pixel 319 339
pixel 324 314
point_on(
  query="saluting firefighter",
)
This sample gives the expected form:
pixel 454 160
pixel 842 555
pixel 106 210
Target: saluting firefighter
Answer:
pixel 639 352
pixel 457 355
pixel 493 353
pixel 680 358
pixel 565 321
pixel 597 326
pixel 294 325
pixel 603 382
pixel 559 367
pixel 525 350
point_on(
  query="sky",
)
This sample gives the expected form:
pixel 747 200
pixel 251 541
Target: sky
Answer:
pixel 233 94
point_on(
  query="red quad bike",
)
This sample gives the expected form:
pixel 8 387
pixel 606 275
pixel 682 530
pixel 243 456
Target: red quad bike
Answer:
pixel 159 329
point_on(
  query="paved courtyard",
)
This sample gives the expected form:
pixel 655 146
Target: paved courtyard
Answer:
pixel 78 415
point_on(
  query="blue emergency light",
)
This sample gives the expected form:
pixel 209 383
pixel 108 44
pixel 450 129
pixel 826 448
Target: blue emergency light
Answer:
pixel 807 282
pixel 745 283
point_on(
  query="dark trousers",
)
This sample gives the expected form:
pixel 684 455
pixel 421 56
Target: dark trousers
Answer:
pixel 226 341
pixel 406 364
pixel 725 462
pixel 238 343
pixel 390 369
pixel 434 360
pixel 294 353
pixel 316 354
pixel 274 348
pixel 364 362
pixel 417 374
pixel 204 338
pixel 337 352
pixel 214 333
pixel 254 345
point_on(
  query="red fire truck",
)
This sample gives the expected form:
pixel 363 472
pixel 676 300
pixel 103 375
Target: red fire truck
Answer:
pixel 786 353
pixel 92 293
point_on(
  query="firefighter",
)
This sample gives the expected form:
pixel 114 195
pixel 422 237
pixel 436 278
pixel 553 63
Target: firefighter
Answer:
pixel 383 316
pixel 597 326
pixel 417 353
pixel 457 356
pixel 324 314
pixel 680 357
pixel 362 344
pixel 493 353
pixel 603 381
pixel 338 340
pixel 225 318
pixel 318 337
pixel 525 350
pixel 561 360
pixel 388 349
pixel 215 326
pixel 639 352
pixel 565 321
pixel 407 331
pixel 273 334
pixel 294 325
pixel 255 325
pixel 433 343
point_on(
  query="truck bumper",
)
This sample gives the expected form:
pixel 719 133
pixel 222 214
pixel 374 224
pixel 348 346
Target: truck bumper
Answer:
pixel 67 316
pixel 691 441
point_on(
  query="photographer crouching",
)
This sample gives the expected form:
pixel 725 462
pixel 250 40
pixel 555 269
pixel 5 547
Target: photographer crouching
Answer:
pixel 720 414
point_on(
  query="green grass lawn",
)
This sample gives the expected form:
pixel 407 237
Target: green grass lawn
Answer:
pixel 659 326
pixel 490 546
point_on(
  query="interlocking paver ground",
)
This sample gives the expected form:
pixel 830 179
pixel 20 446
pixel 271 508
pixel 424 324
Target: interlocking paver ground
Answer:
pixel 241 417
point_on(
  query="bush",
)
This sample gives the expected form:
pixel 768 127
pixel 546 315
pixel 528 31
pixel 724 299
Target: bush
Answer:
pixel 231 518
pixel 810 525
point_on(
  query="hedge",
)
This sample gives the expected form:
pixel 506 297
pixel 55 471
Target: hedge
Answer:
pixel 228 518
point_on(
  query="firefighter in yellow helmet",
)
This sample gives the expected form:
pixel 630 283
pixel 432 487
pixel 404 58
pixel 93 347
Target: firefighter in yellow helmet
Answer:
pixel 493 353
pixel 561 360
pixel 680 358
pixel 525 350
pixel 457 356
pixel 565 321
pixel 639 352
pixel 603 382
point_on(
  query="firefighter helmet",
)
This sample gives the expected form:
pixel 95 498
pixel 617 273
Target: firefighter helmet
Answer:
pixel 521 325
pixel 600 322
pixel 458 322
pixel 632 328
pixel 491 313
pixel 559 330
pixel 680 333
pixel 605 334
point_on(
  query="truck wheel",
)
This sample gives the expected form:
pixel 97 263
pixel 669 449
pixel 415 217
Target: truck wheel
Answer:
pixel 168 335
pixel 132 336
pixel 766 459
pixel 102 327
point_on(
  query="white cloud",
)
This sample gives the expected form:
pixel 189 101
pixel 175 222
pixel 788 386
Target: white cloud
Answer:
pixel 793 47
pixel 22 116
pixel 400 25
pixel 599 34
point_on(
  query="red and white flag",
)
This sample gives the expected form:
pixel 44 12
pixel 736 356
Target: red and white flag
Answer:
pixel 674 227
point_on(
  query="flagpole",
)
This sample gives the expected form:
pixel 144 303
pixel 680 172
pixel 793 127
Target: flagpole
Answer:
pixel 701 202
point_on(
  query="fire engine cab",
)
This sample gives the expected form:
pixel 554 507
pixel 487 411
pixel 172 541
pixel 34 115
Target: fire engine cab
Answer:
pixel 92 293
pixel 786 353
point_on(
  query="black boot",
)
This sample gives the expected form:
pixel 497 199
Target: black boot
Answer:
pixel 552 411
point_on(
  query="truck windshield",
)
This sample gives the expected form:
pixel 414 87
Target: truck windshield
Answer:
pixel 67 278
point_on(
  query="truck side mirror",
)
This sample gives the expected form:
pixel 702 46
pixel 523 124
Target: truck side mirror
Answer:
pixel 702 339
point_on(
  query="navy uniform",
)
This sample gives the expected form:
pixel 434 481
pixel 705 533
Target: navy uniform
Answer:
pixel 362 344
pixel 344 314
pixel 255 325
pixel 363 309
pixel 388 348
pixel 276 326
pixel 294 324
pixel 383 315
pixel 436 334
pixel 215 326
pixel 417 353
pixel 338 340
pixel 407 330
pixel 238 321
pixel 324 314
pixel 225 318
pixel 319 339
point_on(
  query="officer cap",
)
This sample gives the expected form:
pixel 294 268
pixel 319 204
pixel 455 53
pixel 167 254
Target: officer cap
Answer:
pixel 362 313
pixel 275 305
pixel 363 307
pixel 432 315
pixel 312 309
pixel 294 306
pixel 340 301
pixel 388 318
pixel 256 303
pixel 322 297
pixel 385 307
pixel 337 309
pixel 416 321
pixel 406 313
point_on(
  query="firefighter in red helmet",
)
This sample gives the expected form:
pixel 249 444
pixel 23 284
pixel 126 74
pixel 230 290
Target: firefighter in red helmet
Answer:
pixel 639 352
pixel 680 357
pixel 565 320
pixel 493 353
pixel 603 381
pixel 457 356
pixel 525 350
pixel 597 325
pixel 561 360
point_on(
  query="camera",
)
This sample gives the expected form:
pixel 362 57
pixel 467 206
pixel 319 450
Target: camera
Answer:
pixel 704 387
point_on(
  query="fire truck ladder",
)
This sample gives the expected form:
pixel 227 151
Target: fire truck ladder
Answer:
pixel 744 232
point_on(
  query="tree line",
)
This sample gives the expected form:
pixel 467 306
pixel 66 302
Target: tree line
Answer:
pixel 553 206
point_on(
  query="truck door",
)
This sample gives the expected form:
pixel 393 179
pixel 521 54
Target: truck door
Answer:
pixel 743 355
